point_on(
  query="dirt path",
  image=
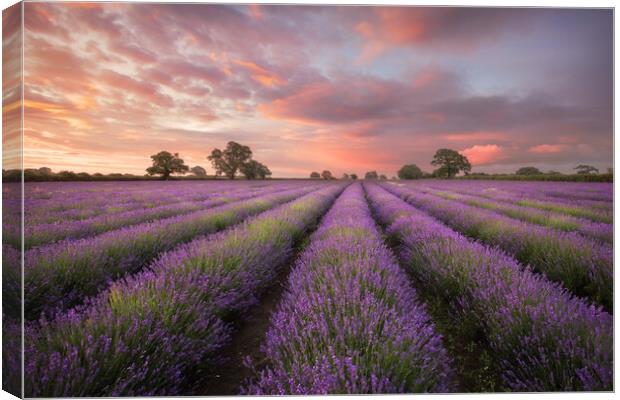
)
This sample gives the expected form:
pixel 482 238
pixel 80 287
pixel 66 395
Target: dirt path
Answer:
pixel 227 377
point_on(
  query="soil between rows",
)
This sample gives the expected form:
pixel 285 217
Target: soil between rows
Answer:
pixel 226 377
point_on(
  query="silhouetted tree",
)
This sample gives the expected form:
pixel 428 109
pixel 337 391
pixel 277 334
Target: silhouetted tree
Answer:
pixel 450 163
pixel 229 161
pixel 315 175
pixel 165 163
pixel 583 169
pixel 199 171
pixel 45 170
pixel 410 171
pixel 382 177
pixel 528 171
pixel 254 170
pixel 371 175
pixel 345 176
pixel 353 176
pixel 327 175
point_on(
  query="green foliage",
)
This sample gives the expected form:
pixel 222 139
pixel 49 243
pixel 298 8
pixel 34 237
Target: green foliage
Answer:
pixel 528 171
pixel 450 163
pixel 371 175
pixel 165 164
pixel 583 169
pixel 409 171
pixel 230 161
pixel 199 171
pixel 255 170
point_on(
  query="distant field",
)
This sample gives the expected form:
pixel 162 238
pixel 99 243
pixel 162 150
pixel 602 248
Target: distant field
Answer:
pixel 296 287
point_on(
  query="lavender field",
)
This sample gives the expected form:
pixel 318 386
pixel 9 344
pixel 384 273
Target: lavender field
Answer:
pixel 309 287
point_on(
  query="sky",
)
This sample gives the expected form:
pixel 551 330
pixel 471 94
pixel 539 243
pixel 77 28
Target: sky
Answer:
pixel 348 89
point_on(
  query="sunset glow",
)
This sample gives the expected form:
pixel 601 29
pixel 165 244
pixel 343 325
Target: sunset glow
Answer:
pixel 349 89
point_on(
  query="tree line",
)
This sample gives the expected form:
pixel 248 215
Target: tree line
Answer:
pixel 231 161
pixel 450 163
pixel 236 159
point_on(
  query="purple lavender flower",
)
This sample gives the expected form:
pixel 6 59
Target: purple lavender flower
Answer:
pixel 583 266
pixel 143 334
pixel 350 322
pixel 60 275
pixel 542 337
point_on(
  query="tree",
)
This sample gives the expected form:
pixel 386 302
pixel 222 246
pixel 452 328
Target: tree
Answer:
pixel 345 176
pixel 528 171
pixel 409 171
pixel 586 169
pixel 327 175
pixel 353 176
pixel 254 170
pixel 315 175
pixel 450 163
pixel 229 161
pixel 382 177
pixel 165 163
pixel 199 171
pixel 45 170
pixel 371 175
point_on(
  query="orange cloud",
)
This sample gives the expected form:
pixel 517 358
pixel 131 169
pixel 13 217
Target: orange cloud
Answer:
pixel 260 74
pixel 483 154
pixel 547 148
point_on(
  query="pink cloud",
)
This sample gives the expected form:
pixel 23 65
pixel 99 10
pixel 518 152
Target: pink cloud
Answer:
pixel 484 154
pixel 547 148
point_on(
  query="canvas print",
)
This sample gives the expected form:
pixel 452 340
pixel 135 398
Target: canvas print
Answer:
pixel 253 199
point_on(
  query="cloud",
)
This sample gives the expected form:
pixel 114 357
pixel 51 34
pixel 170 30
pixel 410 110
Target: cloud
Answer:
pixel 129 80
pixel 547 148
pixel 483 154
pixel 455 29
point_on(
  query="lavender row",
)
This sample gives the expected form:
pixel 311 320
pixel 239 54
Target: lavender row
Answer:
pixel 598 211
pixel 519 191
pixel 584 266
pixel 36 235
pixel 349 321
pixel 78 200
pixel 541 337
pixel 594 230
pixel 60 275
pixel 119 198
pixel 561 191
pixel 147 333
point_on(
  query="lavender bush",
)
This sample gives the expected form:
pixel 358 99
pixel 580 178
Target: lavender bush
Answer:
pixel 39 234
pixel 144 334
pixel 349 321
pixel 542 337
pixel 595 230
pixel 584 266
pixel 60 275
